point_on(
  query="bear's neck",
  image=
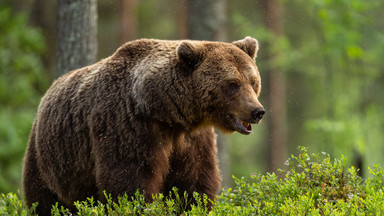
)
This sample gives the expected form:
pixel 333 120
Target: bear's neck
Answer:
pixel 167 95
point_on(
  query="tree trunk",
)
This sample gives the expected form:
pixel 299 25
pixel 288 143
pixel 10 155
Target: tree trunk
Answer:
pixel 277 91
pixel 181 19
pixel 76 34
pixel 128 20
pixel 206 20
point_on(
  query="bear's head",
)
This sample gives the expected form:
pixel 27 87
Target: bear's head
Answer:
pixel 225 82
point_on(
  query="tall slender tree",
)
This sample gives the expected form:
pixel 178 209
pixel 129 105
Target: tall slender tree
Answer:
pixel 76 34
pixel 277 146
pixel 128 20
pixel 181 19
pixel 206 19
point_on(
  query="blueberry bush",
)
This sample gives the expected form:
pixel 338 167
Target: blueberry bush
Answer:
pixel 313 184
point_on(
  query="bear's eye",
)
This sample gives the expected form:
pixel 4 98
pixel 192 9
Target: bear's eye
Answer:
pixel 253 84
pixel 233 86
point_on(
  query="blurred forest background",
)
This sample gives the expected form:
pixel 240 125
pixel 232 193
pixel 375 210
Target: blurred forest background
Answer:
pixel 321 63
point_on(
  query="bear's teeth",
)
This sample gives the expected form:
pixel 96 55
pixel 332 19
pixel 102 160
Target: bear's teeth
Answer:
pixel 248 126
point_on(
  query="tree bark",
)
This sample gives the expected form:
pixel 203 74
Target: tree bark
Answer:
pixel 277 91
pixel 207 19
pixel 76 34
pixel 128 20
pixel 181 19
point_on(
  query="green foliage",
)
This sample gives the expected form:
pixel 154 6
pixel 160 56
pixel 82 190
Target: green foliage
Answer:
pixel 314 184
pixel 22 82
pixel 11 204
pixel 21 77
pixel 330 54
pixel 344 54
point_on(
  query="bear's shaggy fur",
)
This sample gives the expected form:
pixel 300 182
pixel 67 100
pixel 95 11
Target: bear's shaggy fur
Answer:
pixel 141 119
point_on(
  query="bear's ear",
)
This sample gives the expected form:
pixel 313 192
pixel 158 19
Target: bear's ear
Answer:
pixel 188 53
pixel 249 45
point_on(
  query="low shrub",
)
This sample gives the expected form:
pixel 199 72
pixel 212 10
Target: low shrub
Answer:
pixel 312 185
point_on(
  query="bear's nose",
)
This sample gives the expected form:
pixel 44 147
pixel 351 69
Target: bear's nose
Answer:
pixel 258 114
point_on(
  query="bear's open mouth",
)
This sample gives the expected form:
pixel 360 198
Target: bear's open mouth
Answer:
pixel 241 126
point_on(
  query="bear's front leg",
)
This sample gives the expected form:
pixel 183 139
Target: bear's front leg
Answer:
pixel 127 161
pixel 194 168
pixel 127 176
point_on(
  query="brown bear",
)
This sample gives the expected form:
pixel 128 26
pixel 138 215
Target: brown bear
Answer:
pixel 142 119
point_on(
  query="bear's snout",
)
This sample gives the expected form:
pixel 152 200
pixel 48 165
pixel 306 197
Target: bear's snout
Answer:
pixel 258 114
